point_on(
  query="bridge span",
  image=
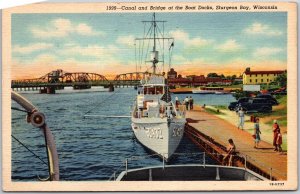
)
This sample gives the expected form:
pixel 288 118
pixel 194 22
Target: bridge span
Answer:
pixel 58 79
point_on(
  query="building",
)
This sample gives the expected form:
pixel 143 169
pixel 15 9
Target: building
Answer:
pixel 260 77
pixel 172 74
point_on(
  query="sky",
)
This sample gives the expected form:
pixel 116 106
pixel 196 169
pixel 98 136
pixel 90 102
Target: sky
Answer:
pixel 105 43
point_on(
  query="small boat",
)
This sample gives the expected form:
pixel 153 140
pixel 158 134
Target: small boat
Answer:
pixel 201 91
pixel 209 90
pixel 156 122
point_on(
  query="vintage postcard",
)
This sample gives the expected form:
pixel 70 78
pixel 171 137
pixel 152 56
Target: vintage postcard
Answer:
pixel 149 97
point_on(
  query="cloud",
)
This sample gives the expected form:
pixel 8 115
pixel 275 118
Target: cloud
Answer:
pixel 90 50
pixel 60 27
pixel 180 35
pixel 126 40
pixel 262 29
pixel 31 48
pixel 266 52
pixel 229 46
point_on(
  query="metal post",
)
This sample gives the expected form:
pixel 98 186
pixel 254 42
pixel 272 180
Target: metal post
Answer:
pixel 271 174
pixel 203 159
pixel 126 165
pixel 217 174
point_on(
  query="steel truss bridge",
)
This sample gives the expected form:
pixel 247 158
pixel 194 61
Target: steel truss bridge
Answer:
pixel 58 79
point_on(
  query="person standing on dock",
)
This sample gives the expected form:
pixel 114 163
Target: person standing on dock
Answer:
pixel 177 103
pixel 186 101
pixel 241 115
pixel 191 101
pixel 257 133
pixel 279 141
pixel 276 129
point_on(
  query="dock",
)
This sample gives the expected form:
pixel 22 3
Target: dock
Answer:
pixel 211 134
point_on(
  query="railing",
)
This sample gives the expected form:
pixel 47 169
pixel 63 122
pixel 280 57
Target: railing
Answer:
pixel 202 158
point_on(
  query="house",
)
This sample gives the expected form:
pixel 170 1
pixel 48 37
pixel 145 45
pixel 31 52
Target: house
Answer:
pixel 260 77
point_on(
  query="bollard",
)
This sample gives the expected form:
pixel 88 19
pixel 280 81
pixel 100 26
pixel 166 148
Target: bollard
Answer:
pixel 271 174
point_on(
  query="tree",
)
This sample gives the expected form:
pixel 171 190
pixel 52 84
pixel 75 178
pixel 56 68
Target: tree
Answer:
pixel 281 79
pixel 212 75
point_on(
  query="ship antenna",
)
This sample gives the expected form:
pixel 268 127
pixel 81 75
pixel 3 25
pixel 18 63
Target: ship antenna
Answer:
pixel 154 46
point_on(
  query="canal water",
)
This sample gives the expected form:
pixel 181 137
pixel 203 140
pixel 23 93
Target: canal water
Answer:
pixel 90 148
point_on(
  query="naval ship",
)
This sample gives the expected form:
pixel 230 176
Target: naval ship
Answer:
pixel 156 122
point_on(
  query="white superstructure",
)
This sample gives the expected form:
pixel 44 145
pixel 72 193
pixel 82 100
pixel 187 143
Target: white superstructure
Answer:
pixel 156 122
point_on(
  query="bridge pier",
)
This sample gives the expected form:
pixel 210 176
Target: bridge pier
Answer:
pixel 111 88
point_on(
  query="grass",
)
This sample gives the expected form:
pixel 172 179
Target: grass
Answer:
pixel 221 107
pixel 279 112
pixel 214 110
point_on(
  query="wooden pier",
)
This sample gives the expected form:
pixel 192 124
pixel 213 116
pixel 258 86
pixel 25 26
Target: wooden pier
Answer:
pixel 211 133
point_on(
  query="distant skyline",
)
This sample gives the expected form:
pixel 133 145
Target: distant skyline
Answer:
pixel 104 43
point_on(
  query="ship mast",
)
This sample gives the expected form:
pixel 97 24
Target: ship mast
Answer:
pixel 157 35
pixel 154 61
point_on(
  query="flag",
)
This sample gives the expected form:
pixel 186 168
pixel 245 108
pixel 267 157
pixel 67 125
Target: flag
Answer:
pixel 172 45
pixel 167 96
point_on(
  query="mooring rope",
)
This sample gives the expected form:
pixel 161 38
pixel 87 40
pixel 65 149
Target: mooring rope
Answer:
pixel 29 149
pixel 101 102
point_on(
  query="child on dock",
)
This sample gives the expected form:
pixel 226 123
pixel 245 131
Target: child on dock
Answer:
pixel 257 133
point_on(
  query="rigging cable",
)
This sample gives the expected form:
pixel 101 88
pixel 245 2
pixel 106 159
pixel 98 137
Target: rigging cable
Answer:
pixel 28 149
pixel 15 108
pixel 101 102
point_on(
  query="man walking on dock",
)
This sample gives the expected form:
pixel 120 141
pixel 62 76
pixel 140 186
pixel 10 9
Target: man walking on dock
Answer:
pixel 241 115
pixel 191 101
pixel 186 101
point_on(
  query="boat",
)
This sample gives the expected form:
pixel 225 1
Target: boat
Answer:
pixel 184 172
pixel 156 122
pixel 209 90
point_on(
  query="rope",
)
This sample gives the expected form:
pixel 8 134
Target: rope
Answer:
pixel 101 102
pixel 15 108
pixel 29 150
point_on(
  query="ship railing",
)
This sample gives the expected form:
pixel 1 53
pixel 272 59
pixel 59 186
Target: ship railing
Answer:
pixel 202 161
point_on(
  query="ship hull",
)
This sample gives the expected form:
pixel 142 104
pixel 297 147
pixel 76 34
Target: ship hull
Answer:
pixel 159 136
